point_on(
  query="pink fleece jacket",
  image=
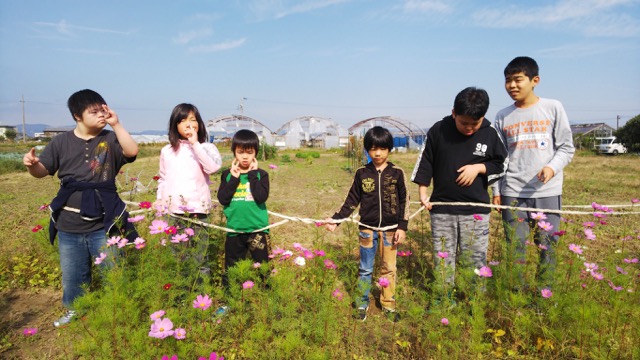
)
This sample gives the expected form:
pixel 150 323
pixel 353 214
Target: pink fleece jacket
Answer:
pixel 184 177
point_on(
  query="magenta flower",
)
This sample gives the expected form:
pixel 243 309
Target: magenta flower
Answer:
pixel 485 271
pixel 189 231
pixel 212 356
pixel 635 200
pixel 122 243
pixel 157 315
pixel 383 282
pixel 477 217
pixel 329 264
pixel 613 286
pixel 100 258
pixel 443 254
pixel 46 206
pixel 144 205
pixel 247 284
pixel 171 230
pixel 589 234
pixel 298 247
pixel 559 233
pixel 166 357
pixel 273 166
pixel 157 226
pixel 29 331
pixel 545 226
pixel 621 270
pixel 631 261
pixel 337 294
pixel 320 253
pixel 575 248
pixel 186 209
pixel 546 293
pixel 588 224
pixel 135 219
pixel 161 328
pixel 202 302
pixel 140 243
pixel 180 333
pixel 538 216
pixel 543 247
pixel 308 254
pixel 444 321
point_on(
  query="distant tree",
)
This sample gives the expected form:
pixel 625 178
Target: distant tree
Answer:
pixel 10 134
pixel 629 134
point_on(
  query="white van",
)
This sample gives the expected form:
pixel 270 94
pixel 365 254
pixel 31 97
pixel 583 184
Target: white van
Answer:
pixel 609 145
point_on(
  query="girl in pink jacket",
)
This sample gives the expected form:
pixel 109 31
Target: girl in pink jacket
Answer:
pixel 185 166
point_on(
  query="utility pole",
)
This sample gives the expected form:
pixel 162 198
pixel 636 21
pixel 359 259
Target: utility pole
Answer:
pixel 24 128
pixel 617 122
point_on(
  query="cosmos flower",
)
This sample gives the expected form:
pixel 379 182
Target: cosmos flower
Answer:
pixel 444 321
pixel 538 216
pixel 300 261
pixel 29 331
pixel 383 282
pixel 546 226
pixel 337 294
pixel 443 254
pixel 202 302
pixel 135 219
pixel 575 248
pixel 477 217
pixel 145 205
pixel 161 328
pixel 484 271
pixel 546 293
pixel 247 284
pixel 157 226
pixel 157 315
pixel 180 333
pixel 100 258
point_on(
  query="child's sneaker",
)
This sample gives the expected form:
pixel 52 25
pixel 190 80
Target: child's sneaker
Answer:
pixel 68 317
pixel 362 313
pixel 222 311
pixel 392 315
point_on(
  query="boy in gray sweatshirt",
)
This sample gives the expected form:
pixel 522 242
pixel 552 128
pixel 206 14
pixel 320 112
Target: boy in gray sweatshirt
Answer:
pixel 538 137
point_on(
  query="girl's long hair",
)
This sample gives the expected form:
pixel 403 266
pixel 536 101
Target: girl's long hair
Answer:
pixel 179 113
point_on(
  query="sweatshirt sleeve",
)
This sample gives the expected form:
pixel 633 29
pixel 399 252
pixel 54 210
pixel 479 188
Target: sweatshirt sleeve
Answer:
pixel 403 196
pixel 499 161
pixel 495 186
pixel 259 187
pixel 208 157
pixel 162 173
pixel 352 201
pixel 562 141
pixel 227 189
pixel 423 170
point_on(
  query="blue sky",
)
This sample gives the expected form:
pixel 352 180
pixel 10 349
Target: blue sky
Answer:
pixel 347 60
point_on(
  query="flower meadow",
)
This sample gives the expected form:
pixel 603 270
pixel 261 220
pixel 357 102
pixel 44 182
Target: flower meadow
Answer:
pixel 151 301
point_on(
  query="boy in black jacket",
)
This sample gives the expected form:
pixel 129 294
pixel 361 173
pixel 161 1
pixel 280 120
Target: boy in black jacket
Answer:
pixel 379 188
pixel 462 154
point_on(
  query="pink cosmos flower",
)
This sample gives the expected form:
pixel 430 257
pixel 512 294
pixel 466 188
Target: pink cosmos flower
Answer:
pixel 319 223
pixel 171 230
pixel 140 243
pixel 543 247
pixel 485 271
pixel 546 226
pixel 247 284
pixel 180 334
pixel 319 253
pixel 596 275
pixel 613 286
pixel 590 266
pixel 212 356
pixel 157 315
pixel 166 357
pixel 337 294
pixel 635 200
pixel 273 166
pixel 383 282
pixel 122 243
pixel 256 265
pixel 443 254
pixel 135 219
pixel 599 215
pixel 202 302
pixel 631 261
pixel 444 321
pixel 538 216
pixel 329 264
pixel 179 238
pixel 300 261
pixel 588 224
pixel 575 248
pixel 100 258
pixel 477 217
pixel 29 331
pixel 559 233
pixel 161 210
pixel 114 240
pixel 46 206
pixel 157 226
pixel 161 328
pixel 298 247
pixel 621 270
pixel 287 254
pixel 144 205
pixel 189 231
pixel 546 293
pixel 589 234
pixel 308 254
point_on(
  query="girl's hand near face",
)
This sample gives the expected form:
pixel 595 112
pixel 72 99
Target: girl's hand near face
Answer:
pixel 192 136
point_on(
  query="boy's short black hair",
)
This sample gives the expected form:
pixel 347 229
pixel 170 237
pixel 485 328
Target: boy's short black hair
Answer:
pixel 523 64
pixel 379 137
pixel 471 101
pixel 82 100
pixel 245 139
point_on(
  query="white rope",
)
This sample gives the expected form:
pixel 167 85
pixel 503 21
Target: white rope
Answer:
pixel 287 218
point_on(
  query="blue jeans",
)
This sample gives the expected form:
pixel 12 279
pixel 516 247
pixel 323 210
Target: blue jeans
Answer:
pixel 77 254
pixel 369 245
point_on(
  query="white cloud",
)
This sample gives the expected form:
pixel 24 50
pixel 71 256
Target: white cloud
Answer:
pixel 578 50
pixel 217 47
pixel 277 9
pixel 426 6
pixel 69 30
pixel 185 38
pixel 591 17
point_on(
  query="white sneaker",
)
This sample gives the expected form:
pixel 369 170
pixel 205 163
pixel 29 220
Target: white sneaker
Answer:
pixel 68 317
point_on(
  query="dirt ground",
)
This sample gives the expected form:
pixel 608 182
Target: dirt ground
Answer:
pixel 21 309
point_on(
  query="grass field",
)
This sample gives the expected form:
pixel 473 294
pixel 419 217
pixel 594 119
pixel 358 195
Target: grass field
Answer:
pixel 293 319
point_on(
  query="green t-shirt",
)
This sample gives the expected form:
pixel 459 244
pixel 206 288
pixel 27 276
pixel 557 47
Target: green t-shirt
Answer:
pixel 243 214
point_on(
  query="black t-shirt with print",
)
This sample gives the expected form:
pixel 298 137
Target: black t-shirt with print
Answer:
pixel 95 160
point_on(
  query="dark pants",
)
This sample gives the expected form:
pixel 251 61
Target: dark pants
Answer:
pixel 237 247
